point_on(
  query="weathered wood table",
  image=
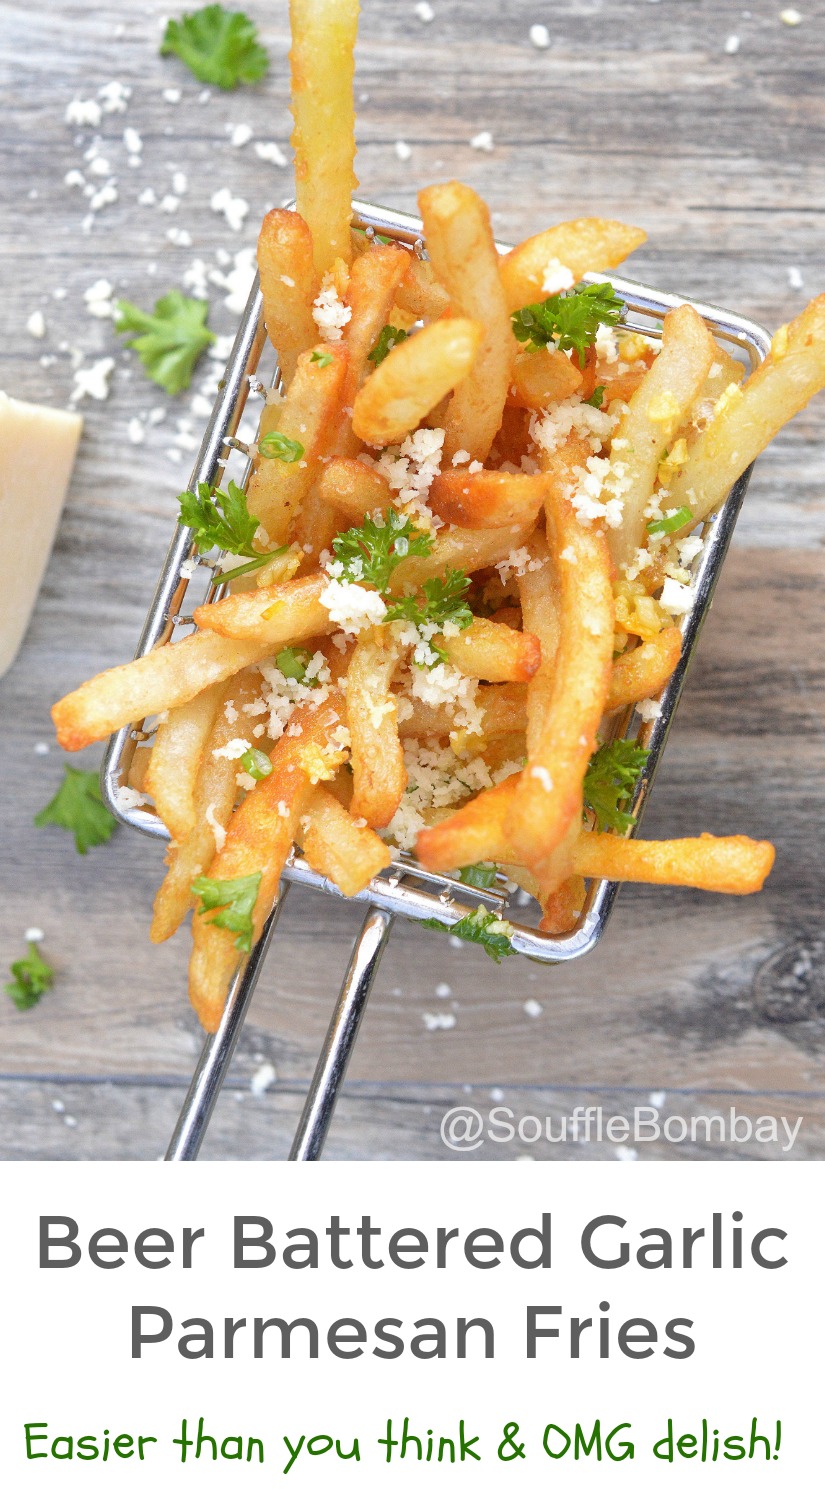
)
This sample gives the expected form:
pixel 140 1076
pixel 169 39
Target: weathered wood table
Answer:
pixel 698 1003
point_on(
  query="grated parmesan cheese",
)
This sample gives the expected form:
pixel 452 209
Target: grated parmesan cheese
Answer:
pixel 233 749
pixel 331 315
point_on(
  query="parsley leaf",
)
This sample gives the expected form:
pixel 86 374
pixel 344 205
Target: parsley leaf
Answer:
pixel 609 781
pixel 79 806
pixel 293 662
pixel 387 340
pixel 278 445
pixel 236 900
pixel 482 875
pixel 171 339
pixel 257 764
pixel 370 552
pixel 320 357
pixel 444 601
pixel 219 46
pixel 31 978
pixel 665 524
pixel 570 320
pixel 597 398
pixel 221 519
pixel 482 927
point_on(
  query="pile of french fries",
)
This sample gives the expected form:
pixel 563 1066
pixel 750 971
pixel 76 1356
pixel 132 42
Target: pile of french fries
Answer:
pixel 557 494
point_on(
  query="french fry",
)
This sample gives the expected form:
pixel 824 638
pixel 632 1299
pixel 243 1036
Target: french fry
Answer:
pixel 289 285
pixel 354 488
pixel 215 795
pixel 543 376
pixel 461 247
pixel 420 293
pixel 258 840
pixel 486 498
pixel 180 741
pixel 477 831
pixel 581 245
pixel 307 415
pixel 643 672
pixel 166 677
pixel 276 615
pixel 503 708
pixel 548 799
pixel 735 866
pixel 336 847
pixel 370 296
pixel 749 417
pixel 492 652
pixel 540 606
pixel 655 413
pixel 322 65
pixel 461 548
pixel 413 378
pixel 562 908
pixel 379 776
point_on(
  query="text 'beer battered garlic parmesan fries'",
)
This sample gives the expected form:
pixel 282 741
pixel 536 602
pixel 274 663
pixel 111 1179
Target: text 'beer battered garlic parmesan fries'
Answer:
pixel 467 541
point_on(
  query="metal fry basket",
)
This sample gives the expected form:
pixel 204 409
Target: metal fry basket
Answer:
pixel 404 889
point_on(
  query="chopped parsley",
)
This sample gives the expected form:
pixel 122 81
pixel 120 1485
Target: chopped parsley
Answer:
pixel 444 601
pixel 169 340
pixel 321 357
pixel 219 46
pixel 387 340
pixel 609 781
pixel 293 662
pixel 674 522
pixel 570 320
pixel 79 806
pixel 278 445
pixel 481 926
pixel 257 764
pixel 371 552
pixel 482 875
pixel 31 978
pixel 597 398
pixel 220 518
pixel 233 902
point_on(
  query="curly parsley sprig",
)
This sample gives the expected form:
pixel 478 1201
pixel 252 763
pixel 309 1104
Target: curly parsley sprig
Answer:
pixel 371 552
pixel 233 902
pixel 78 806
pixel 609 781
pixel 570 320
pixel 481 926
pixel 31 978
pixel 219 46
pixel 168 341
pixel 220 518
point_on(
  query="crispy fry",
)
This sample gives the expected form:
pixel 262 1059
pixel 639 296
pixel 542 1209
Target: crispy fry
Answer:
pixel 643 672
pixel 486 498
pixel 581 245
pixel 748 418
pixel 322 64
pixel 379 776
pixel 259 837
pixel 503 708
pixel 463 253
pixel 458 547
pixel 543 376
pixel 308 415
pixel 420 293
pixel 656 411
pixel 276 615
pixel 539 596
pixel 415 375
pixel 354 488
pixel 180 742
pixel 562 908
pixel 492 652
pixel 215 795
pixel 166 677
pixel 336 847
pixel 288 284
pixel 475 832
pixel 735 866
pixel 370 295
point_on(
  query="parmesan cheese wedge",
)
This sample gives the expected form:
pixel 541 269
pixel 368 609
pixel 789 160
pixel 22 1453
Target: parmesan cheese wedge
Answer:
pixel 37 453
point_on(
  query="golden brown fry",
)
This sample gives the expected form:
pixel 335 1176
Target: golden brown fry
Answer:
pixel 562 908
pixel 379 776
pixel 413 378
pixel 215 794
pixel 581 245
pixel 461 247
pixel 370 296
pixel 735 866
pixel 655 413
pixel 307 415
pixel 289 285
pixel 486 498
pixel 539 597
pixel 336 847
pixel 492 652
pixel 749 417
pixel 420 293
pixel 503 708
pixel 643 672
pixel 259 837
pixel 322 64
pixel 457 547
pixel 180 741
pixel 166 677
pixel 475 832
pixel 543 376
pixel 277 615
pixel 354 489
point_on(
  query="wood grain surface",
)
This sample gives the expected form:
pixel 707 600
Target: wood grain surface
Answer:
pixel 701 1003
